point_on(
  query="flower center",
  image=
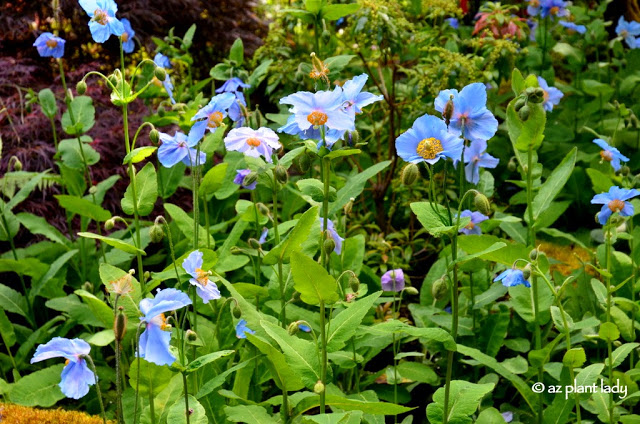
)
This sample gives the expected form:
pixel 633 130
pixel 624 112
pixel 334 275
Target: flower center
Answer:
pixel 624 33
pixel 470 226
pixel 51 43
pixel 182 144
pixel 317 118
pixel 253 141
pixel 616 205
pixel 429 148
pixel 163 325
pixel 535 3
pixel 215 120
pixel 100 16
pixel 545 95
pixel 606 155
pixel 202 276
pixel 554 10
pixel 125 37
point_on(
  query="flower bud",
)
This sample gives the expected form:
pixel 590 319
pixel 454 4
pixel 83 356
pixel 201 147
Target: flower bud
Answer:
pixel 263 209
pixel 237 312
pixel 526 272
pixel 109 224
pixel 87 286
pixel 253 243
pixel 120 324
pixel 512 165
pixel 93 190
pixel 326 36
pixel 354 137
pixel 235 250
pixel 113 79
pixel 533 255
pixel 354 283
pixel 319 387
pixel 304 162
pixel 17 165
pixel 160 73
pixel 281 174
pixel 410 174
pixel 482 203
pixel 439 288
pixel 519 103
pixel 524 112
pixel 625 170
pixel 81 87
pixel 156 233
pixel 329 246
pixel 411 290
pixel 292 329
pixel 191 335
pixel 251 178
pixel 154 136
pixel 161 111
pixel 537 95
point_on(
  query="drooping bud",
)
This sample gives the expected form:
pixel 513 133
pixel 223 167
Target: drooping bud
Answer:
pixel 253 243
pixel 625 170
pixel 113 79
pixel 109 224
pixel 146 276
pixel 526 272
pixel 512 165
pixel 482 203
pixel 411 290
pixel 160 73
pixel 319 387
pixel 251 178
pixel 17 165
pixel 93 189
pixel 354 137
pixel 156 233
pixel 524 112
pixel 191 335
pixel 263 209
pixel 120 324
pixel 81 87
pixel 533 255
pixel 537 95
pixel 281 174
pixel 235 250
pixel 292 329
pixel 439 288
pixel 354 283
pixel 329 246
pixel 161 111
pixel 87 286
pixel 295 296
pixel 410 174
pixel 304 162
pixel 237 312
pixel 154 136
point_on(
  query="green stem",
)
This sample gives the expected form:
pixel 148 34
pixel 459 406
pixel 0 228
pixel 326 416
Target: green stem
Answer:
pixel 95 373
pixel 323 343
pixel 326 173
pixel 608 231
pixel 186 397
pixel 283 302
pixel 135 407
pixel 152 406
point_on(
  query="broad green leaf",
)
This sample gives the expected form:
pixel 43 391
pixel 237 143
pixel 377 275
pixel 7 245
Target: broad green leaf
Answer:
pixel 102 338
pixel 213 179
pixel 77 311
pixel 56 266
pixel 517 82
pixel 426 334
pixel 177 412
pixel 588 376
pixel 464 399
pixel 83 207
pixel 574 357
pixel 236 53
pixel 417 371
pixel 347 404
pixel 344 325
pixel 526 134
pixel 258 75
pixel 522 299
pixel 355 185
pixel 341 153
pixel 25 191
pixel 284 377
pixel 211 384
pixel 312 281
pixel 293 243
pixel 620 354
pixel 185 224
pixel 169 179
pixel 624 323
pixel 556 315
pixel 313 6
pixel 146 188
pixel 312 191
pixel 334 12
pixel 139 154
pixel 6 330
pixel 118 244
pixel 153 377
pixel 38 225
pixel 206 359
pixel 47 101
pixel 12 301
pixel 84 114
pixel 187 40
pixel 249 414
pixel 72 155
pixel 609 331
pixel 40 388
pixel 494 331
pixel 554 184
pixel 100 309
pixel 490 416
pixel 506 255
pixel 433 217
pixel 12 227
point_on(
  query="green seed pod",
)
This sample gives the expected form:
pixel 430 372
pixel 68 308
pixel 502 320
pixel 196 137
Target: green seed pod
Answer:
pixel 524 112
pixel 154 136
pixel 519 103
pixel 160 73
pixel 439 288
pixel 292 329
pixel 191 335
pixel 237 312
pixel 411 290
pixel 281 174
pixel 161 111
pixel 329 246
pixel 512 165
pixel 156 233
pixel 319 387
pixel 537 95
pixel 253 243
pixel 482 204
pixel 81 87
pixel 251 178
pixel 120 324
pixel 410 174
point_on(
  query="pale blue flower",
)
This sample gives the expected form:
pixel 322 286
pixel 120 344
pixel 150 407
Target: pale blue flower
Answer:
pixel 428 140
pixel 210 117
pixel 512 277
pixel 453 23
pixel 552 95
pixel 242 330
pixel 476 157
pixel 127 36
pixel 240 176
pixel 354 99
pixel 628 31
pixel 615 200
pixel 393 280
pixel 205 288
pixel 331 230
pixel 253 143
pixel 49 45
pixel 610 154
pixel 178 149
pixel 103 21
pixel 580 29
pixel 472 227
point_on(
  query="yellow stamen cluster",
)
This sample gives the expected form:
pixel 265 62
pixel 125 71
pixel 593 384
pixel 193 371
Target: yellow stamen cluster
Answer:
pixel 164 322
pixel 606 155
pixel 100 16
pixel 429 148
pixel 554 10
pixel 215 120
pixel 317 118
pixel 470 226
pixel 125 37
pixel 51 43
pixel 202 276
pixel 616 205
pixel 253 141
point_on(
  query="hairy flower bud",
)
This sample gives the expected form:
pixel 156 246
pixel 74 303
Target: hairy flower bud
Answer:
pixel 253 243
pixel 519 103
pixel 160 73
pixel 81 87
pixel 237 312
pixel 512 165
pixel 191 335
pixel 87 286
pixel 319 387
pixel 354 137
pixel 526 272
pixel 354 283
pixel 292 329
pixel 447 112
pixel 156 233
pixel 537 95
pixel 533 255
pixel 625 170
pixel 120 324
pixel 17 165
pixel 439 288
pixel 235 250
pixel 329 246
pixel 263 209
pixel 161 111
pixel 109 224
pixel 251 178
pixel 154 136
pixel 524 112
pixel 281 174
pixel 482 203
pixel 113 79
pixel 410 174
pixel 304 162
pixel 411 290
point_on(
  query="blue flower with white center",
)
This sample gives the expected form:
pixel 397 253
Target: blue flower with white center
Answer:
pixel 178 149
pixel 331 230
pixel 234 85
pixel 580 29
pixel 240 176
pixel 512 277
pixel 76 375
pixel 242 330
pixel 468 111
pixel 205 288
pixel 629 31
pixel 156 338
pixel 49 45
pixel 453 23
pixel 614 201
pixel 253 143
pixel 476 157
pixel 210 117
pixel 428 140
pixel 103 21
pixel 164 62
pixel 127 36
pixel 610 154
pixel 552 95
pixel 472 227
pixel 353 96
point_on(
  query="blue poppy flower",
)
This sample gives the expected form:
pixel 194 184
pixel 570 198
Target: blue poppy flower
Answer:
pixel 239 179
pixel 512 277
pixel 211 116
pixel 312 133
pixel 472 227
pixel 393 280
pixel 610 154
pixel 164 62
pixel 154 341
pixel 178 149
pixel 476 157
pixel 453 23
pixel 551 8
pixel 580 29
pixel 470 114
pixel 552 95
pixel 253 143
pixel 533 27
pixel 49 45
pixel 103 21
pixel 331 229
pixel 614 201
pixel 127 36
pixel 242 329
pixel 628 31
pixel 354 99
pixel 263 235
pixel 233 85
pixel 428 140
pixel 76 375
pixel 507 416
pixel 205 288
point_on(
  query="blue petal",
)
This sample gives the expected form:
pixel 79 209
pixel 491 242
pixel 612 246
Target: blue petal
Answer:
pixel 100 33
pixel 76 379
pixel 197 132
pixel 169 154
pixel 165 300
pixel 154 346
pixel 193 262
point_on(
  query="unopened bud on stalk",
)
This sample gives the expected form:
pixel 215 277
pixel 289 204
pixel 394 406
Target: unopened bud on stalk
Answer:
pixel 17 165
pixel 93 190
pixel 154 136
pixel 354 283
pixel 519 103
pixel 533 255
pixel 625 170
pixel 113 79
pixel 526 272
pixel 304 162
pixel 524 112
pixel 329 246
pixel 251 178
pixel 263 209
pixel 109 224
pixel 237 312
pixel 326 36
pixel 354 137
pixel 235 250
pixel 253 243
pixel 537 95
pixel 156 233
pixel 482 203
pixel 281 174
pixel 410 174
pixel 146 276
pixel 349 206
pixel 81 87
pixel 160 73
pixel 292 329
pixel 512 165
pixel 319 387
pixel 191 335
pixel 161 111
pixel 120 324
pixel 87 286
pixel 439 288
pixel 411 290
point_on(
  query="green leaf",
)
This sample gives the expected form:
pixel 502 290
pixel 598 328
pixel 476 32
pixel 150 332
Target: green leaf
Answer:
pixel 146 183
pixel 529 133
pixel 118 244
pixel 494 247
pixel 433 217
pixel 417 371
pixel 249 414
pixel 574 358
pixel 40 388
pixel 464 399
pixel 313 6
pixel 556 315
pixel 102 338
pixel 342 152
pixel 38 225
pixel 347 404
pixel 84 114
pixel 153 377
pixel 620 354
pixel 12 301
pixel 236 53
pixel 344 325
pixel 490 416
pixel 312 281
pixel 47 101
pixel 185 224
pixel 522 299
pixel 170 178
pixel 75 309
pixel 624 323
pixel 283 375
pixel 177 412
pixel 56 266
pixel 100 309
pixel 187 40
pixel 517 82
pixel 139 154
pixel 25 191
pixel 313 191
pixel 554 184
pixel 301 355
pixel 507 255
pixel 355 185
pixel 494 331
pixel 293 243
pixel 213 179
pixel 333 12
pixel 258 75
pixel 206 359
pixel 211 384
pixel 426 334
pixel 12 223
pixel 608 331
pixel 6 330
pixel 83 207
pixel 72 156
